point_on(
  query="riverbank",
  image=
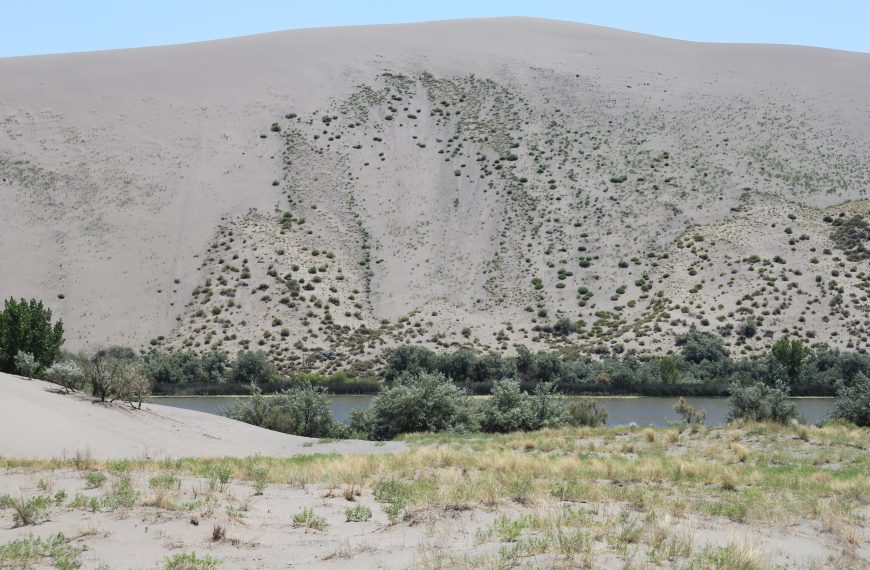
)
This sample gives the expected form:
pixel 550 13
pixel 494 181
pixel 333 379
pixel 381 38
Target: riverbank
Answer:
pixel 745 496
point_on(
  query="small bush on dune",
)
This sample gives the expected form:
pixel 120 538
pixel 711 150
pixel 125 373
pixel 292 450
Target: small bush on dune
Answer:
pixel 761 403
pixel 66 374
pixel 190 561
pixel 25 364
pixel 30 511
pixel 853 402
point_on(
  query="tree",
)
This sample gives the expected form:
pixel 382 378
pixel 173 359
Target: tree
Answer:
pixel 131 384
pixel 252 367
pixel 853 402
pixel 25 364
pixel 100 369
pixel 791 354
pixel 66 374
pixel 26 326
pixel 408 359
pixel 668 369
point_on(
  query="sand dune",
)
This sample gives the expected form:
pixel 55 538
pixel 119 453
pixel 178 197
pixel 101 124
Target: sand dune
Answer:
pixel 130 179
pixel 39 421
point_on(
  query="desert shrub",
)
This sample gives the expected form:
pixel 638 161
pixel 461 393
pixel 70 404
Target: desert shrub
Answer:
pixel 688 413
pixel 700 346
pixel 427 402
pixel 66 374
pixel 130 383
pixel 26 326
pixel 508 408
pixel 30 511
pixel 302 410
pixel 853 402
pixel 252 367
pixel 762 403
pixel 308 519
pixel 190 561
pixel 32 552
pixel 100 369
pixel 852 236
pixel 547 407
pixel 358 513
pixel 25 364
pixel 121 495
pixel 586 412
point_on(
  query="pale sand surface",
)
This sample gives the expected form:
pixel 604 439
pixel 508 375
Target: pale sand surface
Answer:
pixel 117 169
pixel 37 420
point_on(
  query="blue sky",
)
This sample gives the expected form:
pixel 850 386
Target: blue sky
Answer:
pixel 40 26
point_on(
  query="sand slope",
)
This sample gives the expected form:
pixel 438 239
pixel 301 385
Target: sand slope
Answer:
pixel 38 421
pixel 127 180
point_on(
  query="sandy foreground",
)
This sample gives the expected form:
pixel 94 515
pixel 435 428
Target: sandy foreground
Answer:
pixel 39 421
pixel 733 497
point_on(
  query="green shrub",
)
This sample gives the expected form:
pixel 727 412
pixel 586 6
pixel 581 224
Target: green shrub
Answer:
pixel 423 402
pixel 25 364
pixel 94 479
pixel 359 513
pixel 307 519
pixel 587 412
pixel 122 495
pixel 507 409
pixel 762 403
pixel 302 410
pixel 190 561
pixel 688 413
pixel 30 511
pixel 66 374
pixel 32 552
pixel 853 402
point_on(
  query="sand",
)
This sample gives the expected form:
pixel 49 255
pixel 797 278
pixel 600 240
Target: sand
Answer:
pixel 39 421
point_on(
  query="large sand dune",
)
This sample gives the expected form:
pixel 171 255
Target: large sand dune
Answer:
pixel 129 179
pixel 39 421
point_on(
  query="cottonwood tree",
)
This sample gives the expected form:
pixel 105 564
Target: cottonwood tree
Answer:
pixel 26 326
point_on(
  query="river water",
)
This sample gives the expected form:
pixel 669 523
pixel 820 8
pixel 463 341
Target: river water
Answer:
pixel 643 410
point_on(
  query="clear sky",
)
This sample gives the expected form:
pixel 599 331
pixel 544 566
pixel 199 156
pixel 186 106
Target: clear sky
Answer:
pixel 52 26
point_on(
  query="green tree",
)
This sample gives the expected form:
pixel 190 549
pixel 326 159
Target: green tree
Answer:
pixel 26 326
pixel 853 402
pixel 791 354
pixel 668 369
pixel 252 367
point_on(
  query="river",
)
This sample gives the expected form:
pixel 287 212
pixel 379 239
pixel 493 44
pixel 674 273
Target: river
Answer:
pixel 644 410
